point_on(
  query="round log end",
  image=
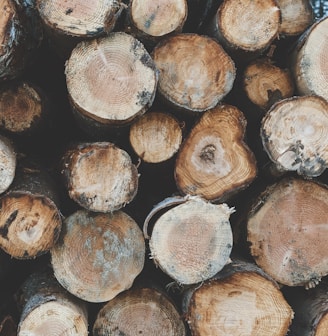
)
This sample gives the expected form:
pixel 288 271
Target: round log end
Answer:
pixel 8 163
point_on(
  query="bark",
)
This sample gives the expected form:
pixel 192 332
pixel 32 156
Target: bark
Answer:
pixel 287 232
pixel 143 311
pixel 252 33
pixel 120 61
pixel 99 176
pixel 98 255
pixel 296 16
pixel 23 108
pixel 266 83
pixel 311 308
pixel 214 162
pixel 150 21
pixel 191 241
pixel 240 300
pixel 155 137
pixel 8 326
pixel 7 163
pixel 191 78
pixel 310 60
pixel 293 134
pixel 30 220
pixel 20 36
pixel 47 308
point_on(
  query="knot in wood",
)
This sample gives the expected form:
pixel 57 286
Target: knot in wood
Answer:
pixel 208 153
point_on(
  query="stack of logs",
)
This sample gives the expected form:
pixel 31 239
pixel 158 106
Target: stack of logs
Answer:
pixel 163 167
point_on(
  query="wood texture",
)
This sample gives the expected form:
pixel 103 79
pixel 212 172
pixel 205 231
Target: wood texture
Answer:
pixel 8 162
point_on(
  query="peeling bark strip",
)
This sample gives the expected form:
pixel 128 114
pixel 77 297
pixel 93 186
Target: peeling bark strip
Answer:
pixel 195 72
pixel 311 60
pixel 7 163
pixel 294 134
pixel 47 308
pixel 155 137
pixel 287 230
pixel 98 255
pixel 192 241
pixel 241 301
pixel 79 18
pixel 142 311
pixel 100 176
pixel 30 221
pixel 20 36
pixel 214 162
pixel 266 83
pixel 296 16
pixel 112 79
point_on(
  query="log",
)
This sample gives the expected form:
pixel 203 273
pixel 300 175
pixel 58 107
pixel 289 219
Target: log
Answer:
pixel 191 241
pixel 155 137
pixel 311 308
pixel 296 16
pixel 252 33
pixel 30 220
pixel 8 326
pixel 294 135
pixel 214 162
pixel 191 78
pixel 120 61
pixel 266 83
pixel 98 255
pixel 240 300
pixel 150 21
pixel 20 36
pixel 47 308
pixel 310 60
pixel 286 229
pixel 7 163
pixel 139 311
pixel 99 176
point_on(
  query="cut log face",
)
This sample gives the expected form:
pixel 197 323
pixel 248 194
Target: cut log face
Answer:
pixel 156 137
pixel 266 83
pixel 256 27
pixel 287 232
pixel 111 79
pixel 143 311
pixel 311 61
pixel 294 134
pixel 192 241
pixel 158 18
pixel 21 107
pixel 7 163
pixel 296 16
pixel 98 255
pixel 214 162
pixel 80 18
pixel 191 77
pixel 245 303
pixel 100 176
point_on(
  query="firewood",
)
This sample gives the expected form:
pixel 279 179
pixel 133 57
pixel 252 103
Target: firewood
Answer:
pixel 245 26
pixel 23 108
pixel 287 231
pixel 20 36
pixel 191 241
pixel 151 20
pixel 98 255
pixel 240 300
pixel 311 308
pixel 30 220
pixel 99 176
pixel 214 161
pixel 266 83
pixel 191 78
pixel 309 64
pixel 7 163
pixel 120 61
pixel 294 135
pixel 155 137
pixel 47 308
pixel 8 326
pixel 145 311
pixel 296 16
